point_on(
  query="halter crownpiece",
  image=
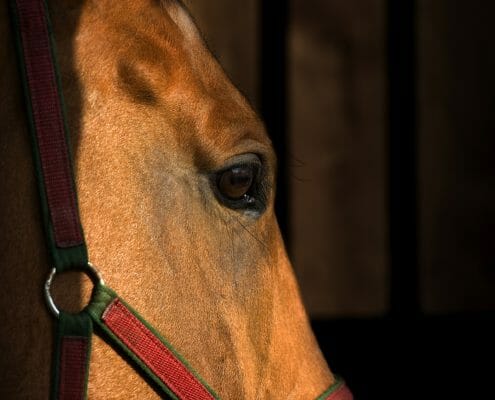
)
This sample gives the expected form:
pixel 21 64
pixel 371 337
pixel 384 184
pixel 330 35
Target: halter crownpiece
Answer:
pixel 143 347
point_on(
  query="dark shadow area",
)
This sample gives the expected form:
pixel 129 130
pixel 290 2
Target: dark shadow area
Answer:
pixel 402 161
pixel 436 357
pixel 273 97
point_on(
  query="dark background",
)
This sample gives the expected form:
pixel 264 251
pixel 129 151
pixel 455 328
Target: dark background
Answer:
pixel 382 115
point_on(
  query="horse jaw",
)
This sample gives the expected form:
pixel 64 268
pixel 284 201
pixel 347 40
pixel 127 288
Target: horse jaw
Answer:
pixel 152 114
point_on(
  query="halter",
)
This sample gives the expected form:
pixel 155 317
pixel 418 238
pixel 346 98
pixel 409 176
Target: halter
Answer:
pixel 117 322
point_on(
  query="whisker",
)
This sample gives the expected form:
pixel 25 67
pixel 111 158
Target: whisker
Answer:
pixel 265 247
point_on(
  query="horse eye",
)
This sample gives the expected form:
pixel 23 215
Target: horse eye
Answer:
pixel 235 183
pixel 242 186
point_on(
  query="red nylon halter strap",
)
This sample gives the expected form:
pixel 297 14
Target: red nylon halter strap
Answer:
pixel 47 114
pixel 146 349
pixel 342 394
pixel 51 155
pixel 157 357
pixel 339 391
pixel 49 133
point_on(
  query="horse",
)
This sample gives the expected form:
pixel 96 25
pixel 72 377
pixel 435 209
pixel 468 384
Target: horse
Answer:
pixel 175 178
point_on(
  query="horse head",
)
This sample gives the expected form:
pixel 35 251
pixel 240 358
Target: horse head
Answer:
pixel 175 177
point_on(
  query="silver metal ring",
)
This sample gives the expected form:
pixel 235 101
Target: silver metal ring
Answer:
pixel 93 273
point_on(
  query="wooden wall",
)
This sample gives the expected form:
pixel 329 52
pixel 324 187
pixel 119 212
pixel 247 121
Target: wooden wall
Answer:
pixel 338 146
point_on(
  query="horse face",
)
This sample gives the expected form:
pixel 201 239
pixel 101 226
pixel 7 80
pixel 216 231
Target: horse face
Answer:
pixel 175 177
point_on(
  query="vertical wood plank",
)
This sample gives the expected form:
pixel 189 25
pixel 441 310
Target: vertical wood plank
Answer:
pixel 338 149
pixel 457 155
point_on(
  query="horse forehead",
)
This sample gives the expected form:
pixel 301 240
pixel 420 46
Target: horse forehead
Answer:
pixel 160 60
